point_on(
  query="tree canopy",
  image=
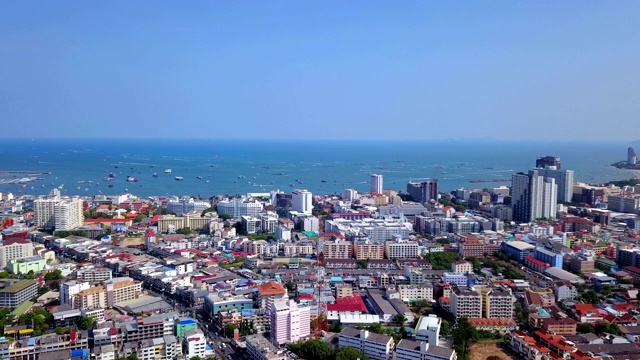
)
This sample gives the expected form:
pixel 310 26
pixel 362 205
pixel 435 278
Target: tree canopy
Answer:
pixel 442 260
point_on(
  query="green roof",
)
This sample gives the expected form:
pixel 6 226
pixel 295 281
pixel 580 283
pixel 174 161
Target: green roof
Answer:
pixel 18 286
pixel 310 234
pixel 22 308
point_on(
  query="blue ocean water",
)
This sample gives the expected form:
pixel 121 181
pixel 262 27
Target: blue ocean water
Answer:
pixel 324 167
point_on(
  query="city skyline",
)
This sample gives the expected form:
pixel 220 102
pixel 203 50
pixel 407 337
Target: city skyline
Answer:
pixel 320 70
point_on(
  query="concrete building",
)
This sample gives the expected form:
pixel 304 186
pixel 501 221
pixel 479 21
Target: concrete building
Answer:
pixel 68 214
pixel 121 289
pixel 375 346
pixel 93 297
pixel 376 185
pixel 518 250
pixel 548 256
pixel 465 303
pixel 462 267
pixel 424 191
pixel 338 249
pixel 69 288
pixel 44 213
pixel 564 179
pixel 215 302
pixel 239 207
pixel 302 201
pixel 412 293
pixel 401 249
pixel 369 250
pixel 15 251
pixel 533 196
pixel 94 275
pixel 270 292
pixel 428 329
pixel 623 203
pixel 187 205
pixel 14 293
pixel 259 348
pixel 24 265
pixel 497 303
pixel 412 350
pixel 632 158
pixel 289 322
pixel 194 344
pixel 350 194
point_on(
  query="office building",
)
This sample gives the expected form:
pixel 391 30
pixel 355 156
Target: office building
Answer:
pixel 465 303
pixel 376 184
pixel 623 203
pixel 13 293
pixel 375 346
pixel 548 161
pixel 15 251
pixel 533 196
pixel 68 214
pixel 412 350
pixel 548 257
pixel 302 201
pixel 424 191
pixel 289 322
pixel 518 250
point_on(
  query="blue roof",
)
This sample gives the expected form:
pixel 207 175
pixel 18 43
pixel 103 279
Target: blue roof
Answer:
pixel 31 342
pixel 77 352
pixel 208 347
pixel 228 255
pixel 187 322
pixel 306 291
pixel 336 279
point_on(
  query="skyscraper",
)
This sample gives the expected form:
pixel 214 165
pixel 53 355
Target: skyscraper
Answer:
pixel 546 161
pixel 632 159
pixel 423 191
pixel 376 183
pixel 533 196
pixel 564 179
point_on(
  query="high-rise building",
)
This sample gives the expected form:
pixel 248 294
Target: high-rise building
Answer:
pixel 564 179
pixel 187 205
pixel 376 183
pixel 338 249
pixel 44 213
pixel 350 194
pixel 69 288
pixel 14 251
pixel 68 214
pixel 239 207
pixel 548 161
pixel 423 191
pixel 632 159
pixel 465 303
pixel 289 322
pixel 533 196
pixel 302 201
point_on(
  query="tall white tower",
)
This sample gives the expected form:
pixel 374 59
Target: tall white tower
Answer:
pixel 302 201
pixel 376 183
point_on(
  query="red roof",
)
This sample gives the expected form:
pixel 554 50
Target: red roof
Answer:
pixel 306 297
pixel 107 220
pixel 349 303
pixel 535 261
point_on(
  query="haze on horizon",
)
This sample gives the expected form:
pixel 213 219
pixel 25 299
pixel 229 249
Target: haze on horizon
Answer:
pixel 543 70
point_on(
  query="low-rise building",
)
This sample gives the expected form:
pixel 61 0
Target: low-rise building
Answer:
pixel 411 350
pixel 375 346
pixel 14 293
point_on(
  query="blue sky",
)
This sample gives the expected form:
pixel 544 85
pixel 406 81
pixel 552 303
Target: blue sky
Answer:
pixel 321 69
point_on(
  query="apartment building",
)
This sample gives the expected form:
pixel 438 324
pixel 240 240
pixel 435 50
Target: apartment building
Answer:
pixel 401 249
pixel 239 207
pixel 497 303
pixel 411 293
pixel 344 291
pixel 121 289
pixel 428 329
pixel 50 346
pixel 147 328
pixel 338 249
pixel 69 288
pixel 15 251
pixel 68 214
pixel 465 303
pixel 194 344
pixel 375 346
pixel 369 250
pixel 411 350
pixel 259 348
pixel 291 250
pixel 289 322
pixel 13 293
pixel 270 292
pixel 462 267
pixel 94 275
pixel 44 213
pixel 93 297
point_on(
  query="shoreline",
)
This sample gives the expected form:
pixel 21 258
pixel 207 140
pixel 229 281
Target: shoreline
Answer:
pixel 635 172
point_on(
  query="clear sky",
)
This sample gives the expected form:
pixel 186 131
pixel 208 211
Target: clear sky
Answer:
pixel 321 69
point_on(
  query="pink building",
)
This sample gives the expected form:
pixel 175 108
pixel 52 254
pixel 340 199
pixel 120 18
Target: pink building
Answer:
pixel 289 322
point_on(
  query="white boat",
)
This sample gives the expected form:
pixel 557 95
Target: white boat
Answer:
pixel 168 171
pixel 179 178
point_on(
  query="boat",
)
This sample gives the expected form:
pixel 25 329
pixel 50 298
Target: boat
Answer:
pixel 111 175
pixel 324 181
pixel 179 178
pixel 110 185
pixel 199 177
pixel 168 171
pixel 207 181
pixel 155 174
pixel 132 179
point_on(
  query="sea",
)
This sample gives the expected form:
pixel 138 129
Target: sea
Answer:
pixel 218 167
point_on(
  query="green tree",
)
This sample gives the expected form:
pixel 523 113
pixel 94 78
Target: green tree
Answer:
pixel 208 210
pixel 362 264
pixel 86 323
pixel 195 358
pixel 3 274
pixel 184 231
pixel 442 260
pixel 376 328
pixel 54 275
pixel 445 328
pixel 349 353
pixel 41 319
pixel 589 297
pixel 606 290
pixel 229 329
pixel 43 289
pixel 311 349
pixel 139 218
pixel 291 287
pixel 464 335
pixel 399 319
pixel 585 328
